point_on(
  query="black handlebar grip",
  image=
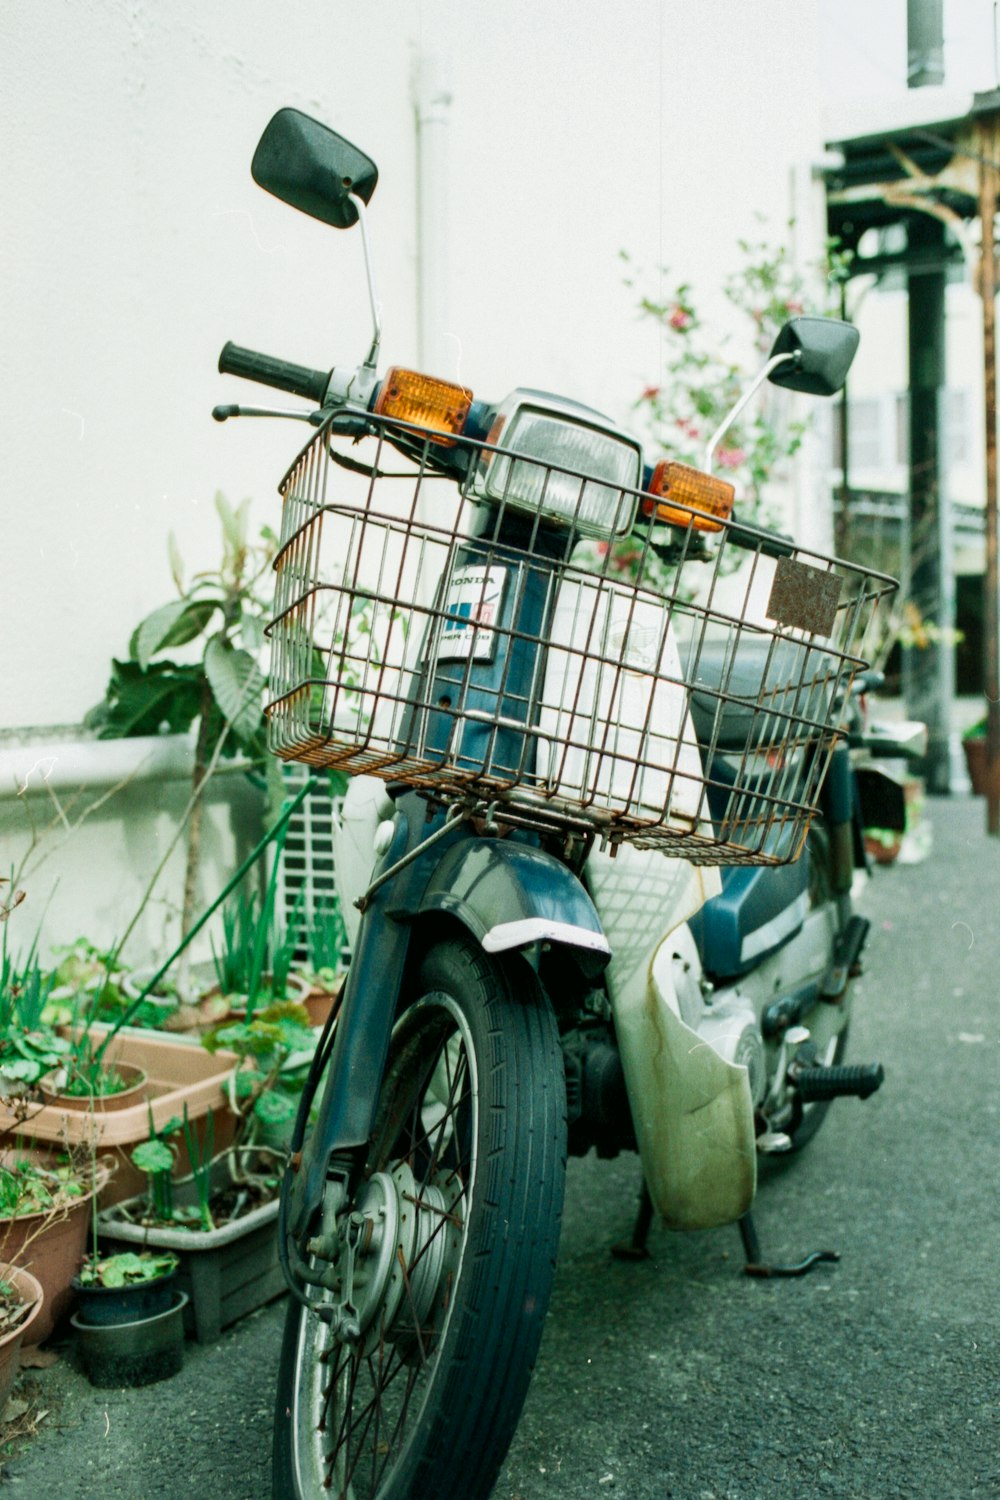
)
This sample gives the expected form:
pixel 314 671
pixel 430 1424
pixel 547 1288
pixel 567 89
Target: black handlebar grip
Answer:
pixel 756 539
pixel 299 380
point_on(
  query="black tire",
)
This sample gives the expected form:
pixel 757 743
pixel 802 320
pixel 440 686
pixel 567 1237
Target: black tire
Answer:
pixel 426 1402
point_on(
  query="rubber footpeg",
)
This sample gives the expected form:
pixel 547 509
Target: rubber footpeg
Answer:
pixel 816 1084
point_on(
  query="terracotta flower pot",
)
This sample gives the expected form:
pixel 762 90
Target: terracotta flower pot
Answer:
pixel 28 1289
pixel 323 998
pixel 136 1081
pixel 51 1245
pixel 975 760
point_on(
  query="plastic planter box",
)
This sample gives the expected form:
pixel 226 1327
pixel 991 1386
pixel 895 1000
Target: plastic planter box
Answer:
pixel 226 1272
pixel 177 1075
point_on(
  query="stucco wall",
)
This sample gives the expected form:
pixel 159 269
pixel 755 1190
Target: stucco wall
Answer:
pixel 134 243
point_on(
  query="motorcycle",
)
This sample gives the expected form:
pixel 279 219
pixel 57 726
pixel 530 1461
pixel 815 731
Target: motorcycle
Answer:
pixel 531 727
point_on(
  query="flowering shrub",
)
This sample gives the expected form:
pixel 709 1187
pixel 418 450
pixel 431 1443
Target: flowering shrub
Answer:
pixel 700 380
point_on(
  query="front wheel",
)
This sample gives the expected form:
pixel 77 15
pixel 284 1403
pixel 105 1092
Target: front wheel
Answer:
pixel 444 1257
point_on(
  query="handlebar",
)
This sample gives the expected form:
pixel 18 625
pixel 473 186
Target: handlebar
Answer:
pixel 758 539
pixel 298 380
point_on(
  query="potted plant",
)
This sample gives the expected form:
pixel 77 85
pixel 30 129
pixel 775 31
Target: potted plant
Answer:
pixel 29 1046
pixel 974 747
pixel 45 1204
pixel 87 1078
pixel 126 1287
pixel 129 1318
pixel 220 1222
pixel 275 1047
pixel 325 973
pixel 254 966
pixel 21 1303
pixel 130 1321
pixel 217 622
pixel 179 1075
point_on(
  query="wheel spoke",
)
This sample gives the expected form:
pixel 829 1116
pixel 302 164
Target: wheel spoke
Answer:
pixel 365 1411
pixel 368 1403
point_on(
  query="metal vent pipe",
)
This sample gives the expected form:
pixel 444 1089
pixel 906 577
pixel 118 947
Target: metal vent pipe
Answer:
pixel 924 43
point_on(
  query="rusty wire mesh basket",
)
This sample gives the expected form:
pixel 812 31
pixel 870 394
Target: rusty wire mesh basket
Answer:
pixel 687 704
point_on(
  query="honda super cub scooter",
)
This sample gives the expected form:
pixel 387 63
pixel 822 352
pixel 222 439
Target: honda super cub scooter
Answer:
pixel 533 731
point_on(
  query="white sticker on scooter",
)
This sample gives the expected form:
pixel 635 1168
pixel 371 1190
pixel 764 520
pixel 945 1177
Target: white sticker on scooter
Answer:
pixel 471 607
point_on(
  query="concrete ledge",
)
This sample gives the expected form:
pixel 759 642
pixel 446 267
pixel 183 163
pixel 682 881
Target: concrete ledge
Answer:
pixel 81 760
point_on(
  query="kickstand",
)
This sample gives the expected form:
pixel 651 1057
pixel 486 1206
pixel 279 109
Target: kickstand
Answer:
pixel 754 1265
pixel 635 1248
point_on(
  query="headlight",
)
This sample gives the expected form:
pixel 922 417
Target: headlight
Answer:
pixel 569 466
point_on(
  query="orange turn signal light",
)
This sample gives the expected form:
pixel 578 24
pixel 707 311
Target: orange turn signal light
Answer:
pixel 436 405
pixel 708 500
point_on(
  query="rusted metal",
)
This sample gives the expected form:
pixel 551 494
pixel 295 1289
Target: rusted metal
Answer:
pixel 689 706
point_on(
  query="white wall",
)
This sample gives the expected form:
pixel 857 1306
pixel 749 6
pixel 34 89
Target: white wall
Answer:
pixel 134 243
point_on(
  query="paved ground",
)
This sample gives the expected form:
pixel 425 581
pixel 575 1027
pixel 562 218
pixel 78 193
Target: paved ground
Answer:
pixel 680 1379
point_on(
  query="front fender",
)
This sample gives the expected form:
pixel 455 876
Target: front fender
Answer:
pixel 513 896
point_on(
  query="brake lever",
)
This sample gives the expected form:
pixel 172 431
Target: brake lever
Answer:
pixel 314 418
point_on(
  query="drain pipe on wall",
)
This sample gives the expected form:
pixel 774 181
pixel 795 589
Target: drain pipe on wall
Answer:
pixel 439 352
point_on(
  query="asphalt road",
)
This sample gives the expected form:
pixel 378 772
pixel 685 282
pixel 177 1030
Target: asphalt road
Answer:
pixel 680 1379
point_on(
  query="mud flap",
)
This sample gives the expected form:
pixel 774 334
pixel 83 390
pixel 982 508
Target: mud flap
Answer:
pixel 692 1110
pixel 696 1135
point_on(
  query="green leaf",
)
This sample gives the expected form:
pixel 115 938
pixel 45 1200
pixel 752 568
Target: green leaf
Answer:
pixel 248 1080
pixel 153 1157
pixel 127 1267
pixel 141 702
pixel 237 685
pixel 21 1068
pixel 233 522
pixel 171 625
pixel 176 562
pixel 251 631
pixel 275 1108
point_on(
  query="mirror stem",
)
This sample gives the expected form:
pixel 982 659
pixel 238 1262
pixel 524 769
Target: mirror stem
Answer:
pixel 737 410
pixel 373 298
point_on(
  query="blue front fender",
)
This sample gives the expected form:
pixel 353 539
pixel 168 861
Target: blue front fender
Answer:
pixel 513 896
pixel 507 896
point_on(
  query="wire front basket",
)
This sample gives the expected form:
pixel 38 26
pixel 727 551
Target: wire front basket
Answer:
pixel 685 701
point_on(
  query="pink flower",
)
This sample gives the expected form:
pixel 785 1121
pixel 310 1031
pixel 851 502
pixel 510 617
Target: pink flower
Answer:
pixel 793 308
pixel 678 318
pixel 731 458
pixel 650 393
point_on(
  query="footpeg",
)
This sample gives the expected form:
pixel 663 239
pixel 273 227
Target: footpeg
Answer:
pixel 816 1084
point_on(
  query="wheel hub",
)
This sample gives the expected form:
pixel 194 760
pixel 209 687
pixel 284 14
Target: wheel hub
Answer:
pixel 394 1258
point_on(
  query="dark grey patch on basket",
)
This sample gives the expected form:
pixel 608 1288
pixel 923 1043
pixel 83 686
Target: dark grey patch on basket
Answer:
pixel 804 598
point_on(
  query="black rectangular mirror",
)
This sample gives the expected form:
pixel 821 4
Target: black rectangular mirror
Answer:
pixel 822 350
pixel 313 168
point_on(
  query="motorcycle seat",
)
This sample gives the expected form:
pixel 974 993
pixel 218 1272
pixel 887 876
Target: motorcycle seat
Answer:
pixel 743 686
